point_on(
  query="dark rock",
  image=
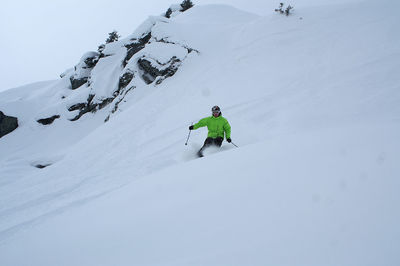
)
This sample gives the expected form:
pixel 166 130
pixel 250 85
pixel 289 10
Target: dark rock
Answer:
pixel 77 106
pixel 90 98
pixel 173 67
pixel 151 72
pixel 186 4
pixel 7 124
pixel 145 38
pixel 49 120
pixel 91 61
pixel 125 79
pixel 123 93
pixel 104 103
pixel 189 49
pixel 100 49
pixel 83 69
pixel 83 108
pixel 41 166
pixel 168 13
pixel 76 83
pixel 135 47
pixel 89 106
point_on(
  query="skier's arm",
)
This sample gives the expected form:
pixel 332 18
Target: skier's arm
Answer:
pixel 201 123
pixel 227 129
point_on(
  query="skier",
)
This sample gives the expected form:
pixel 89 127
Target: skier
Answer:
pixel 217 126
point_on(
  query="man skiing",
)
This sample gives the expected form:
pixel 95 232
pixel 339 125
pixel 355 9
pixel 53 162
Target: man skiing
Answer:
pixel 218 127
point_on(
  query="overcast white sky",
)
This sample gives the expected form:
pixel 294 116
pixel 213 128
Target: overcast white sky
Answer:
pixel 42 38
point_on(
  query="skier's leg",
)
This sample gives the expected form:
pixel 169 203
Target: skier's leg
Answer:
pixel 218 141
pixel 207 143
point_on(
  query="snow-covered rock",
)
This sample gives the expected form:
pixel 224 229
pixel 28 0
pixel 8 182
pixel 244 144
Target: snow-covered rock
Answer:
pixel 139 58
pixel 83 69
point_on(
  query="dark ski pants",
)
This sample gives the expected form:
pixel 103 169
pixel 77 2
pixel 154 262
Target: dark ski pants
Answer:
pixel 210 142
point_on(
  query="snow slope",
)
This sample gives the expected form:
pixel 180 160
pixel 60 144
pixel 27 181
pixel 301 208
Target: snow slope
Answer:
pixel 313 103
pixel 317 204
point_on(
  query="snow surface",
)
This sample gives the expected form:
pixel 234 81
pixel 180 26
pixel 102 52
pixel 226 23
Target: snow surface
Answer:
pixel 313 101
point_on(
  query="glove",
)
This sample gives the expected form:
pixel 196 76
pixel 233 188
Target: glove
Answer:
pixel 191 128
pixel 228 140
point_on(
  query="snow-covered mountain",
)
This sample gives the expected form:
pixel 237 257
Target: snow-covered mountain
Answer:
pixel 97 173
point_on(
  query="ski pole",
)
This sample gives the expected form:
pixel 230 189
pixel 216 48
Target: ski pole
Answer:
pixel 188 136
pixel 234 144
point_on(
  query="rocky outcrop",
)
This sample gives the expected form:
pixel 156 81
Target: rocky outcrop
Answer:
pixel 49 120
pixel 125 79
pixel 76 83
pixel 168 13
pixel 119 99
pixel 173 10
pixel 83 69
pixel 7 124
pixel 149 56
pixel 88 106
pixel 152 69
pixel 135 46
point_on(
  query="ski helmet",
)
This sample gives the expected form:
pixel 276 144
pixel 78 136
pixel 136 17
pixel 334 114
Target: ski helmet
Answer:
pixel 216 110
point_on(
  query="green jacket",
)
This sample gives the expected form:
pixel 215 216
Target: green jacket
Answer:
pixel 217 126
